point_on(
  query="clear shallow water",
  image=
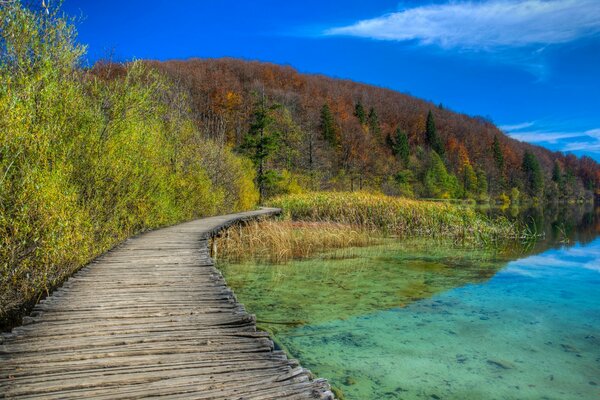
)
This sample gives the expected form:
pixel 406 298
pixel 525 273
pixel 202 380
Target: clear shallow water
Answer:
pixel 418 320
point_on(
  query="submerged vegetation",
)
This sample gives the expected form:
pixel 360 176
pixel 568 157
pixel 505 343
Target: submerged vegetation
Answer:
pixel 86 162
pixel 345 282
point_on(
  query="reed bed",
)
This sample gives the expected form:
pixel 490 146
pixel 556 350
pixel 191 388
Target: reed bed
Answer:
pixel 395 216
pixel 280 241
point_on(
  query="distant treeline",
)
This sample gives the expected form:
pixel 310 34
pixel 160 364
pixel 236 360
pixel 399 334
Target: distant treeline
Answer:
pixel 314 132
pixel 86 162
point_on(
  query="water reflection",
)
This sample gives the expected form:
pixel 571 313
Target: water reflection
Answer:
pixel 561 223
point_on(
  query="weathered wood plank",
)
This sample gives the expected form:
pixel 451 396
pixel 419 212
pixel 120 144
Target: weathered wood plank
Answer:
pixel 151 318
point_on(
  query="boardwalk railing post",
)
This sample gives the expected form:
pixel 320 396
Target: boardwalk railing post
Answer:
pixel 213 248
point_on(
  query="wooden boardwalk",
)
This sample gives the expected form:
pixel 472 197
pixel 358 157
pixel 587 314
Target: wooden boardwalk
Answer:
pixel 151 318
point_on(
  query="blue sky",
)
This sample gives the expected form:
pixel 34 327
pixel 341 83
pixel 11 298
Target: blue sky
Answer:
pixel 532 66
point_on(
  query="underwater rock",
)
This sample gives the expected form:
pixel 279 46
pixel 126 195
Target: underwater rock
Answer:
pixel 500 364
pixel 569 349
pixel 460 358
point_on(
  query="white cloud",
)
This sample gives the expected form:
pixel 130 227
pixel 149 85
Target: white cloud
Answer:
pixel 544 137
pixel 484 25
pixel 516 131
pixel 516 127
pixel 589 146
pixel 587 141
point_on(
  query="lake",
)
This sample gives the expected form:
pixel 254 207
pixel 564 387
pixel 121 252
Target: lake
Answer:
pixel 425 319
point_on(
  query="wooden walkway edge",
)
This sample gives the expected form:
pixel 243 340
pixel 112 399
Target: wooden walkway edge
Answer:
pixel 151 318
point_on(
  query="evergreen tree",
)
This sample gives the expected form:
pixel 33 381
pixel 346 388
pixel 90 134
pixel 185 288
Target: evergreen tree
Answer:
pixel 327 125
pixel 261 142
pixel 482 183
pixel 359 112
pixel 430 129
pixel 557 177
pixel 557 173
pixel 431 136
pixel 533 174
pixel 498 155
pixel 390 143
pixel 400 147
pixel 469 181
pixel 373 120
pixel 438 182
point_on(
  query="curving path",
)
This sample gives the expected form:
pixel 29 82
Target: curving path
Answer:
pixel 151 318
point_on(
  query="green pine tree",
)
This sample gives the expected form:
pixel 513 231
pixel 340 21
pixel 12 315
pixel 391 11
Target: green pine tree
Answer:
pixel 438 182
pixel 359 112
pixel 327 125
pixel 469 181
pixel 431 136
pixel 482 184
pixel 533 174
pixel 373 121
pixel 400 147
pixel 261 142
pixel 498 155
pixel 557 173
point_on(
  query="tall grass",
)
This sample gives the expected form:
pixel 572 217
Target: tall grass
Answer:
pixel 280 241
pixel 86 161
pixel 321 221
pixel 396 216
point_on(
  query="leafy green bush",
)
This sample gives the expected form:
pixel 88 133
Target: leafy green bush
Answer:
pixel 87 161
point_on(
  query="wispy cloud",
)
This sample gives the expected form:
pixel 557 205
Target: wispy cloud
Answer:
pixel 484 25
pixel 568 141
pixel 544 137
pixel 516 127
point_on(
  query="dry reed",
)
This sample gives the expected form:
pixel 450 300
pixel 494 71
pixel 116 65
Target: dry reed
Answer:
pixel 281 241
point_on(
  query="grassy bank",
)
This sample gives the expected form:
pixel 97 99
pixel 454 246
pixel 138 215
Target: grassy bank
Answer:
pixel 396 216
pixel 86 161
pixel 316 222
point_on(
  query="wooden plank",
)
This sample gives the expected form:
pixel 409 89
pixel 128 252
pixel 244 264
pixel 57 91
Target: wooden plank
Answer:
pixel 151 318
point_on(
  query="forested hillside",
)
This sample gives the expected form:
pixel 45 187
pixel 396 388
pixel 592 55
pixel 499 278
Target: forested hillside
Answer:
pixel 311 131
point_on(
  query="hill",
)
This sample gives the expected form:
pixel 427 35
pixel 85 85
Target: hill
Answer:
pixel 341 134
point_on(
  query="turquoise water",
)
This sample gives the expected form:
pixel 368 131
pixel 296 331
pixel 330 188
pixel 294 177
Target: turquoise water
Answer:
pixel 428 320
pixel 531 332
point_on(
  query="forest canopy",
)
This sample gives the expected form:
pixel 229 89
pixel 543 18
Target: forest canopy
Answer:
pixel 342 135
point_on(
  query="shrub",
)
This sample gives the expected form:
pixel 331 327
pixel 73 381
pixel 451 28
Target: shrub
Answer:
pixel 87 161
